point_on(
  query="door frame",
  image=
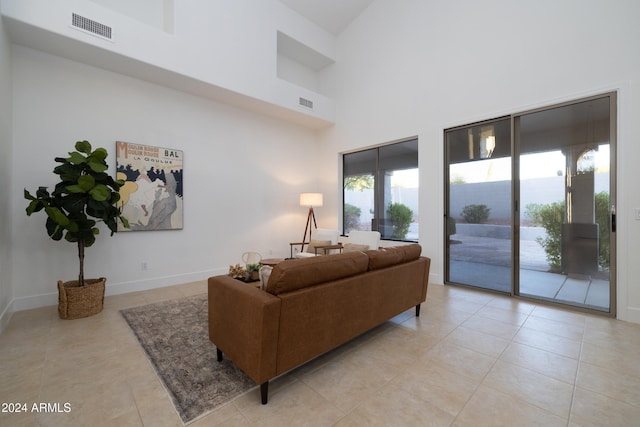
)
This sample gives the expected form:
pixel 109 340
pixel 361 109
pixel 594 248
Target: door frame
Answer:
pixel 515 201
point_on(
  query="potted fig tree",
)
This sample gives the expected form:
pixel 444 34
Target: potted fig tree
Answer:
pixel 85 195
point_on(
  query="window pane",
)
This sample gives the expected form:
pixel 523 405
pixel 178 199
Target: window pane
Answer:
pixel 381 190
pixel 358 202
pixel 401 201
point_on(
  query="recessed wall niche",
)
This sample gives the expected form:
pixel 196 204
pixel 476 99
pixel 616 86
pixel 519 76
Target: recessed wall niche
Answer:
pixel 300 64
pixel 157 13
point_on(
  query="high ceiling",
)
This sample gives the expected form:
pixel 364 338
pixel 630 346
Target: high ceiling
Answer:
pixel 332 15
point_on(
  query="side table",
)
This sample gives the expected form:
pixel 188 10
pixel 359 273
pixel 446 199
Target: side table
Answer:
pixel 271 261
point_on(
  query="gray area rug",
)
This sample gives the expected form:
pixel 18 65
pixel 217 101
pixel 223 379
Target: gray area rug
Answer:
pixel 175 336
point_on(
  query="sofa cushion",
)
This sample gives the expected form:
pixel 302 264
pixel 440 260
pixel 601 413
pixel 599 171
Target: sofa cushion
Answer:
pixel 300 273
pixel 411 252
pixel 382 258
pixel 387 257
pixel 311 247
pixel 354 247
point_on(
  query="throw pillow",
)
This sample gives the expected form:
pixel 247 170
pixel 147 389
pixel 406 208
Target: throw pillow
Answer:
pixel 354 247
pixel 264 274
pixel 311 247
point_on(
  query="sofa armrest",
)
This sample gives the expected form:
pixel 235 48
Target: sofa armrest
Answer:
pixel 243 324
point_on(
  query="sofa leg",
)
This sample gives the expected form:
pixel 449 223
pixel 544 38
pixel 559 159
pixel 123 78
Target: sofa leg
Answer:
pixel 219 353
pixel 418 310
pixel 264 392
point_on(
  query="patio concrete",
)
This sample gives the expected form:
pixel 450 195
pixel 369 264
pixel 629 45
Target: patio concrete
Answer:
pixel 486 262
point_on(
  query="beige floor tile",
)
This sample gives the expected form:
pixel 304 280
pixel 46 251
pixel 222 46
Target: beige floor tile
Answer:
pixel 290 406
pixel 446 314
pixel 492 408
pixel 549 342
pixel 394 406
pixel 610 383
pixel 478 341
pixel 226 416
pixel 466 360
pixel 344 383
pixel 593 409
pixel 612 357
pixel 560 314
pixel 460 360
pixel 491 327
pixel 459 304
pixel 512 304
pixel 446 390
pixel 544 392
pixel 545 362
pixel 513 317
pixel 555 327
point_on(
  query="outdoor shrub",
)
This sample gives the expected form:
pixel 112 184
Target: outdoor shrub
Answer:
pixel 476 214
pixel 452 226
pixel 401 217
pixel 602 218
pixel 351 217
pixel 551 218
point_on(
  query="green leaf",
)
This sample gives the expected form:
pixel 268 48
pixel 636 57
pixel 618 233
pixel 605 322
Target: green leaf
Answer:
pixel 83 147
pixel 76 158
pixel 73 227
pixel 99 154
pixel 28 195
pixel 42 193
pixel 85 183
pixel 98 166
pixel 100 193
pixel 34 206
pixel 54 230
pixel 57 216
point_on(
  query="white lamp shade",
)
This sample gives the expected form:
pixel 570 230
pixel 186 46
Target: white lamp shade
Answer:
pixel 311 199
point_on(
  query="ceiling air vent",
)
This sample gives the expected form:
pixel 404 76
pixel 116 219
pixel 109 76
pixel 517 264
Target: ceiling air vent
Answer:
pixel 306 102
pixel 90 26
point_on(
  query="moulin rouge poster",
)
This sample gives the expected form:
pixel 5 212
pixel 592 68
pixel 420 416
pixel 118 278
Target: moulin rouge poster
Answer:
pixel 152 196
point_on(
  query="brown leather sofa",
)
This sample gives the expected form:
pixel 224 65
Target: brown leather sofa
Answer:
pixel 311 306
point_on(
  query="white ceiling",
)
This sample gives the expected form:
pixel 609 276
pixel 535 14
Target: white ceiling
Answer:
pixel 332 15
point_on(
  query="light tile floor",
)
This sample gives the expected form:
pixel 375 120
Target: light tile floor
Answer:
pixel 470 359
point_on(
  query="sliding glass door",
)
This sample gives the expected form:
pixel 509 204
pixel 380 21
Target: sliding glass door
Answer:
pixel 535 215
pixel 565 193
pixel 479 205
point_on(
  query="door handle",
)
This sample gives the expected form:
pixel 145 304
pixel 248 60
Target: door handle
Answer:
pixel 613 219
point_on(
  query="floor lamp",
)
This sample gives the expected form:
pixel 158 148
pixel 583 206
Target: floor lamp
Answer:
pixel 311 200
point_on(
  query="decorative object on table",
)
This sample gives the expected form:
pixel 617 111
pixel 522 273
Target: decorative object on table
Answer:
pixel 310 200
pixel 152 196
pixel 324 243
pixel 85 195
pixel 251 258
pixel 236 271
pixel 265 273
pixel 253 271
pixel 175 338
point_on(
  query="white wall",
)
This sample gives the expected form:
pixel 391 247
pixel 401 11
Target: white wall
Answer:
pixel 231 44
pixel 417 67
pixel 242 176
pixel 6 168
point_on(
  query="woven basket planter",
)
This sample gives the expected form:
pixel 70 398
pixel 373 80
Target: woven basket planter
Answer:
pixel 76 301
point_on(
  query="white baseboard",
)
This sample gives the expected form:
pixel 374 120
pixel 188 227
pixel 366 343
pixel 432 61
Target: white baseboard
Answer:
pixel 632 315
pixel 5 316
pixel 43 300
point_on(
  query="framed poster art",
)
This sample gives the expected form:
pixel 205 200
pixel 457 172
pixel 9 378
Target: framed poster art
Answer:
pixel 152 195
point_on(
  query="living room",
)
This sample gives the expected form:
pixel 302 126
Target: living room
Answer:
pixel 402 69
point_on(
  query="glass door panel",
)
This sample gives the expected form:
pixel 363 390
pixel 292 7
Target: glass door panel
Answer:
pixel 564 223
pixel 478 247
